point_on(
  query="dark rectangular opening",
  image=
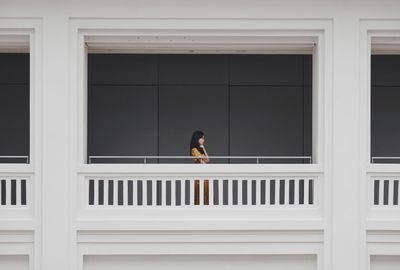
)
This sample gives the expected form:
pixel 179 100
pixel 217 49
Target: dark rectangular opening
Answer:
pixel 252 108
pixel 385 109
pixel 14 108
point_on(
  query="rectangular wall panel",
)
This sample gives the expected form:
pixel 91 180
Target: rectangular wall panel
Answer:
pixel 14 262
pixel 201 262
pixel 383 262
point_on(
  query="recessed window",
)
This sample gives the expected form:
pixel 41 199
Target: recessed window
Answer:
pixel 385 108
pixel 253 108
pixel 14 107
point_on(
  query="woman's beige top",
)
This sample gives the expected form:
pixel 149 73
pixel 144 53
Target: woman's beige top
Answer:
pixel 202 157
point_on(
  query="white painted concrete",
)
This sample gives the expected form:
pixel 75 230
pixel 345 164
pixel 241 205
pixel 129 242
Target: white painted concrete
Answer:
pixel 14 262
pixel 55 31
pixel 385 262
pixel 198 262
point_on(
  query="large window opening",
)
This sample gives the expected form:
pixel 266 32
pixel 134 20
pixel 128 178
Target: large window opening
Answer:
pixel 253 108
pixel 385 109
pixel 14 107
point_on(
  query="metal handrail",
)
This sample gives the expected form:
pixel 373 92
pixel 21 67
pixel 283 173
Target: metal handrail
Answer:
pixel 145 158
pixel 26 157
pixel 375 158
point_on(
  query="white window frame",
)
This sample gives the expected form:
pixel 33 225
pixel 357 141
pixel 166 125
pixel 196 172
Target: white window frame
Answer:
pixel 376 37
pixel 258 36
pixel 23 226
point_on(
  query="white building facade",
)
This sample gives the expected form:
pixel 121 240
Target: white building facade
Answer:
pixel 348 216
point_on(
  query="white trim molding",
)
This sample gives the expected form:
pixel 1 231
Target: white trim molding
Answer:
pixel 200 242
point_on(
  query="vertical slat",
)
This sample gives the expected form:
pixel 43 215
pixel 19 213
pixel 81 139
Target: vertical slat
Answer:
pixel 144 193
pixel 18 192
pixel 211 192
pixel 150 192
pixel 282 191
pixel 130 192
pixel 160 194
pixel 206 192
pixel 301 191
pixel 188 196
pixel 91 192
pixel 253 192
pixel 167 190
pixel 390 193
pixel 311 191
pixel 8 192
pixel 139 192
pixel 376 192
pixel 216 192
pixel 267 192
pixel 115 192
pixel 291 191
pixel 225 192
pixel 23 192
pixel 96 192
pixel 120 192
pixel 178 192
pixel 306 189
pixel 272 191
pixel 240 191
pixel 154 192
pixel 3 192
pixel 245 194
pixel 396 192
pixel 296 192
pixel 100 192
pixel 381 192
pixel 13 189
pixel 259 191
pixel 249 190
pixel 191 183
pixel 235 192
pixel 201 191
pixel 173 192
pixel 230 192
pixel 386 192
pixel 125 185
pixel 221 191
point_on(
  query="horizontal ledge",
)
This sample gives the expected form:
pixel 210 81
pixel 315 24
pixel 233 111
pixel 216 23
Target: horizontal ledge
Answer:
pixel 19 225
pixel 201 236
pixel 16 168
pixel 179 169
pixel 383 224
pixel 383 168
pixel 199 225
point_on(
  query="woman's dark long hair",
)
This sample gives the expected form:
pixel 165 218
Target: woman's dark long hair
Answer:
pixel 194 142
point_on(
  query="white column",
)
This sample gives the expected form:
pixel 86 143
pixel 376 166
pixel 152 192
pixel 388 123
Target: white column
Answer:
pixel 345 205
pixel 55 210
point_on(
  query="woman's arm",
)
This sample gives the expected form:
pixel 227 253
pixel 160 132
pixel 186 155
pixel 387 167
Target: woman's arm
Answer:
pixel 201 158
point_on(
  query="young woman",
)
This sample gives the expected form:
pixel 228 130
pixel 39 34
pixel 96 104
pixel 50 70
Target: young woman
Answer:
pixel 199 154
pixel 197 149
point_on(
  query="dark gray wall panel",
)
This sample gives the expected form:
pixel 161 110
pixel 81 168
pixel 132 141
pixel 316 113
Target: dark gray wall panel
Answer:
pixel 385 70
pixel 122 69
pixel 194 94
pixel 122 120
pixel 385 121
pixel 193 69
pixel 14 68
pixel 184 109
pixel 266 121
pixel 14 120
pixel 267 70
